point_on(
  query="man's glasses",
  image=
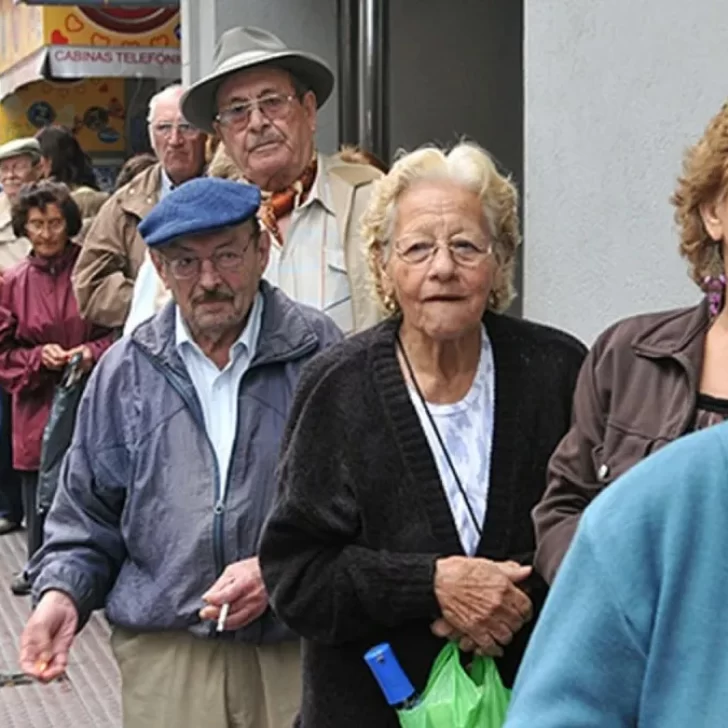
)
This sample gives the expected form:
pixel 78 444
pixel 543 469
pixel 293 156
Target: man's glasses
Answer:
pixel 15 169
pixel 165 129
pixel 272 106
pixel 188 267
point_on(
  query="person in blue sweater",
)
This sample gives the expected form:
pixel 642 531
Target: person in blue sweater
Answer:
pixel 633 631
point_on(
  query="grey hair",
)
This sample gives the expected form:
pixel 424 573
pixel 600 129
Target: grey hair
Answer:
pixel 469 166
pixel 159 96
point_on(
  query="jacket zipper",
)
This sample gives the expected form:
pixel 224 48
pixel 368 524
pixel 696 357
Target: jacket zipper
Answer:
pixel 221 497
pixel 218 511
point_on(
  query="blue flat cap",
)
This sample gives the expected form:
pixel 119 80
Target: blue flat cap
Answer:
pixel 201 205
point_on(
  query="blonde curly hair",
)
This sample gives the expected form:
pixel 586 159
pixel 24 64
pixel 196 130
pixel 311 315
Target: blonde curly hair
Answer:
pixel 704 179
pixel 468 165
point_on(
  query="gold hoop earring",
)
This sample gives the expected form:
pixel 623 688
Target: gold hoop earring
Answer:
pixel 390 303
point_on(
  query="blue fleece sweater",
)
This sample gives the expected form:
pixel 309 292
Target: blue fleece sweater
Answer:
pixel 634 631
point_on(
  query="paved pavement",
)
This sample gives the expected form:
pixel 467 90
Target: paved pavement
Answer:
pixel 90 697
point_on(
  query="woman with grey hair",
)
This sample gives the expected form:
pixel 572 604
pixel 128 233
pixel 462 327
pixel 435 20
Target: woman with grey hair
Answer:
pixel 416 449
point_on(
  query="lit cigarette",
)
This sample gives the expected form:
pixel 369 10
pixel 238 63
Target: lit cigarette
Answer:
pixel 223 617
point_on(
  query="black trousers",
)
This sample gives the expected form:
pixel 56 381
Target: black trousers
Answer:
pixel 11 502
pixel 33 520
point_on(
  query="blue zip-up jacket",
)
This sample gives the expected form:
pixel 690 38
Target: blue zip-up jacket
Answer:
pixel 633 632
pixel 138 524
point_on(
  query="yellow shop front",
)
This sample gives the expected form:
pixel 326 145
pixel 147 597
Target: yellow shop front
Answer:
pixel 90 68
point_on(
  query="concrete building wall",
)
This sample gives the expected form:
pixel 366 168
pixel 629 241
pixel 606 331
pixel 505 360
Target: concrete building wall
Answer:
pixel 456 71
pixel 614 92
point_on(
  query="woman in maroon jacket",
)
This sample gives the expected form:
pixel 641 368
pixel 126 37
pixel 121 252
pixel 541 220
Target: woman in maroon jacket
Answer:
pixel 41 329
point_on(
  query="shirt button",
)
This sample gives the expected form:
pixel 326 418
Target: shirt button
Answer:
pixel 603 472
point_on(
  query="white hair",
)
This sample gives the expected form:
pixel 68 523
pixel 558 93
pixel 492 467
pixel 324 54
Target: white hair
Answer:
pixel 165 93
pixel 469 166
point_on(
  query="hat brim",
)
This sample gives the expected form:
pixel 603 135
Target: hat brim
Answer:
pixel 199 103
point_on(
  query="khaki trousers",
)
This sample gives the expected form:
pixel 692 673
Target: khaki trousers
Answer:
pixel 175 680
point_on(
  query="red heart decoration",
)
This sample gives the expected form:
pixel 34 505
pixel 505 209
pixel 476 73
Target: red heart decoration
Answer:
pixel 57 38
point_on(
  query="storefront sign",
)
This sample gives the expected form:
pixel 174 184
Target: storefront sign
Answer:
pixel 74 62
pixel 92 108
pixel 119 27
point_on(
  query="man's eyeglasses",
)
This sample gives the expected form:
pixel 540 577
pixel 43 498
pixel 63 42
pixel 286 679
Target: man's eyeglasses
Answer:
pixel 272 106
pixel 165 129
pixel 17 169
pixel 463 252
pixel 188 267
pixel 54 226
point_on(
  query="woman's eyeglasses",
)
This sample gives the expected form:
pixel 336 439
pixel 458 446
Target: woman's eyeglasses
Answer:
pixel 462 252
pixel 53 226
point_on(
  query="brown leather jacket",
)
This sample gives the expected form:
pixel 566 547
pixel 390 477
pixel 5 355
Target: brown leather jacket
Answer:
pixel 103 278
pixel 636 392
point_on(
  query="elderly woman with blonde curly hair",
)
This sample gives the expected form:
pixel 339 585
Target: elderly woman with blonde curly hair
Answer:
pixel 652 378
pixel 416 449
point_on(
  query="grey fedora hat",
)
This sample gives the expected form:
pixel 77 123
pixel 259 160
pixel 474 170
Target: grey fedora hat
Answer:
pixel 240 49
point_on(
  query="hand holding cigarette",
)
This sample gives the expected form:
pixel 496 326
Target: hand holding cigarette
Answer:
pixel 223 617
pixel 237 598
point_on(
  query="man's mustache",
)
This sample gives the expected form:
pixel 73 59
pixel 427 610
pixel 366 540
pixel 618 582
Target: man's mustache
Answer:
pixel 213 297
pixel 271 137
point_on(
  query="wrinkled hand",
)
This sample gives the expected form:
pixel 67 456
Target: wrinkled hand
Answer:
pixel 87 358
pixel 47 637
pixel 54 356
pixel 241 586
pixel 481 605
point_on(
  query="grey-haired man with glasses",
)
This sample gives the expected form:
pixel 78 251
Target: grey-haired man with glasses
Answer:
pixel 113 251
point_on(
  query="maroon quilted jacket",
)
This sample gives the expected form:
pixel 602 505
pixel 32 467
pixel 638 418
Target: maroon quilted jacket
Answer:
pixel 38 307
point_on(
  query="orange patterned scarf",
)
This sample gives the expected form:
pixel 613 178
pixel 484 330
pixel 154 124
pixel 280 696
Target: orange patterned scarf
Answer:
pixel 276 205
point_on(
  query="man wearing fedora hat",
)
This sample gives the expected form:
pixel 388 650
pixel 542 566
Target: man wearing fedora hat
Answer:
pixel 261 99
pixel 170 477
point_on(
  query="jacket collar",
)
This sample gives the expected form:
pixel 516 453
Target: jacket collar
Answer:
pixel 677 332
pixel 285 334
pixel 142 193
pixel 58 263
pixel 343 180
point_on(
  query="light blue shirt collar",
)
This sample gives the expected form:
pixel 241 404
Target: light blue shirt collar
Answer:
pixel 167 185
pixel 247 342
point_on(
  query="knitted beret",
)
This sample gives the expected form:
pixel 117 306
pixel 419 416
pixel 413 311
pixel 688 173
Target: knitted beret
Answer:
pixel 201 205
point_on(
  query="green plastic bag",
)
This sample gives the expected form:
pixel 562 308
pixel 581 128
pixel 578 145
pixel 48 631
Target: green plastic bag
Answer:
pixel 456 698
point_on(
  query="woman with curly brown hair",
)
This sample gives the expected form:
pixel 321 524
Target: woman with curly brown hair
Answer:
pixel 416 449
pixel 652 378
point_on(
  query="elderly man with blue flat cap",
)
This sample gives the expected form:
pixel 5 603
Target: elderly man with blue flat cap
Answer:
pixel 170 477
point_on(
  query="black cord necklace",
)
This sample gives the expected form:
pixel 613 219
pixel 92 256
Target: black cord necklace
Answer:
pixel 431 419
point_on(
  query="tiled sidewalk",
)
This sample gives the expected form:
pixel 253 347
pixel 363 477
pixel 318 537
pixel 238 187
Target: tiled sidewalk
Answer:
pixel 90 698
